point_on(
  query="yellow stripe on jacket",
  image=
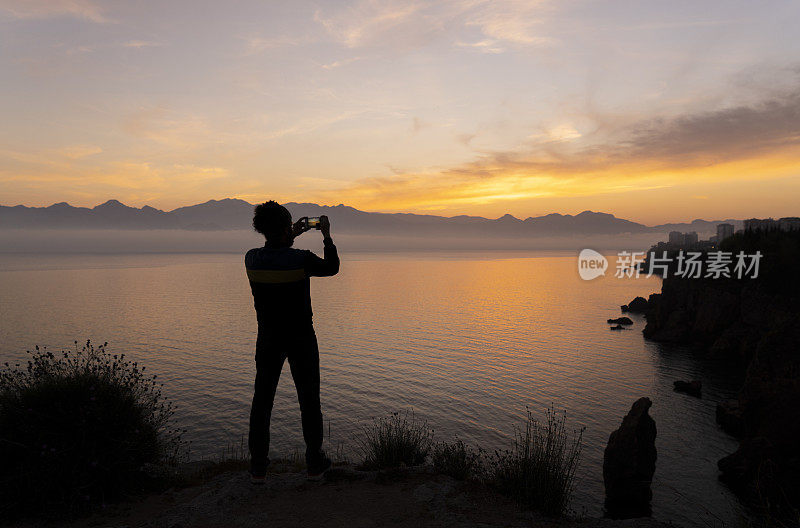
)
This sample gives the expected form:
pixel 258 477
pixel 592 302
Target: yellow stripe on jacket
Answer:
pixel 276 276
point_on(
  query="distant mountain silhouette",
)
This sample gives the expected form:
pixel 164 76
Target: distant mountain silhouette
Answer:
pixel 237 214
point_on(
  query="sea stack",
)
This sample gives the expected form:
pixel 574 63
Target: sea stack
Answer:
pixel 629 463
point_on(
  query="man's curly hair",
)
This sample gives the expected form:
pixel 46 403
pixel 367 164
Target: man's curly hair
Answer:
pixel 271 219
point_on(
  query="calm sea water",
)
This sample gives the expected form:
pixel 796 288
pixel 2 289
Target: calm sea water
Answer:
pixel 469 342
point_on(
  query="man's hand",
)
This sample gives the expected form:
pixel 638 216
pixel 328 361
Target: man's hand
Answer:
pixel 300 227
pixel 325 226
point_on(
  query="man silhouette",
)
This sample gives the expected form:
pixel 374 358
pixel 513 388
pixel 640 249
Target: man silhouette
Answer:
pixel 279 279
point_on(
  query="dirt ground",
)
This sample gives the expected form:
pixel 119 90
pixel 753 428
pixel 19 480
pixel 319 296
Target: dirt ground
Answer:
pixel 346 498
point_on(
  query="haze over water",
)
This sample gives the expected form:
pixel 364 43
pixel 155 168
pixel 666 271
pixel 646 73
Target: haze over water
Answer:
pixel 467 341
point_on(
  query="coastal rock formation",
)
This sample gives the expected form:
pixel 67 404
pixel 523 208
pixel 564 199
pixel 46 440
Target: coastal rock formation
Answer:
pixel 620 321
pixel 729 417
pixel 629 463
pixel 692 388
pixel 638 305
pixel 752 324
pixel 618 327
pixel 748 329
pixel 768 459
pixel 741 468
pixel 691 310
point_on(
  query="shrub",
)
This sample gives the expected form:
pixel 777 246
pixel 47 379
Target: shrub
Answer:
pixel 398 439
pixel 539 471
pixel 76 429
pixel 456 459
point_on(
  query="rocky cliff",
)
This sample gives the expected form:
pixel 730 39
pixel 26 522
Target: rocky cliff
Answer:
pixel 755 324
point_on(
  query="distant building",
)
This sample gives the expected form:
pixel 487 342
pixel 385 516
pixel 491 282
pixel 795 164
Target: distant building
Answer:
pixel 760 224
pixel 724 231
pixel 676 238
pixel 790 223
pixel 682 240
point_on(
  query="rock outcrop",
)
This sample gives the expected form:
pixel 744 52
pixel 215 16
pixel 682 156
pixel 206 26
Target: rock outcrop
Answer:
pixel 629 463
pixel 638 305
pixel 620 321
pixel 692 388
pixel 729 417
pixel 692 311
pixel 767 462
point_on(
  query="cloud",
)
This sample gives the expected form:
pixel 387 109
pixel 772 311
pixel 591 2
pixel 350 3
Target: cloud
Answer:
pixel 403 24
pixel 305 126
pixel 127 180
pixel 736 132
pixel 740 142
pixel 74 50
pixel 79 151
pixel 418 124
pixel 255 44
pixel 167 127
pixel 139 44
pixel 51 8
pixel 483 46
pixel 511 21
pixel 374 22
pixel 340 63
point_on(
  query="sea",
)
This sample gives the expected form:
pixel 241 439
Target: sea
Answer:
pixel 467 342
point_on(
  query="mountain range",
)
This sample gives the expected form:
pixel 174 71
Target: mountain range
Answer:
pixel 229 214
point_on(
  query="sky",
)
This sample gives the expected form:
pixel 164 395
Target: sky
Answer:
pixel 654 111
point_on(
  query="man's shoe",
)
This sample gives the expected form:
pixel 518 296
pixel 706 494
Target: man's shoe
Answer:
pixel 259 475
pixel 318 469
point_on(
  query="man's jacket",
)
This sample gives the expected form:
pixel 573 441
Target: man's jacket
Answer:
pixel 279 280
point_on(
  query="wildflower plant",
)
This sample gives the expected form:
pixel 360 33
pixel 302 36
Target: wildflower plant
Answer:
pixel 539 471
pixel 76 429
pixel 400 439
pixel 457 460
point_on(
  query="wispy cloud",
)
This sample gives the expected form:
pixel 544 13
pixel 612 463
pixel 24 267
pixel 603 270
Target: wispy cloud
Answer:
pixel 255 44
pixel 309 125
pixel 86 9
pixel 517 22
pixel 483 46
pixel 168 127
pixel 75 50
pixel 500 23
pixel 79 151
pixel 339 63
pixel 369 21
pixel 138 44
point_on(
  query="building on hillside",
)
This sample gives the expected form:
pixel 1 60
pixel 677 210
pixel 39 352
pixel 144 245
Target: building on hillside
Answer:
pixel 680 240
pixel 760 224
pixel 790 223
pixel 724 231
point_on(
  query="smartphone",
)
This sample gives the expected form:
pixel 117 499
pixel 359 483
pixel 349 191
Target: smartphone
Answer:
pixel 313 222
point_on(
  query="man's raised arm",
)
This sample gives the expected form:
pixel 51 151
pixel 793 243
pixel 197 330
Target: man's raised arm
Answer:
pixel 329 265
